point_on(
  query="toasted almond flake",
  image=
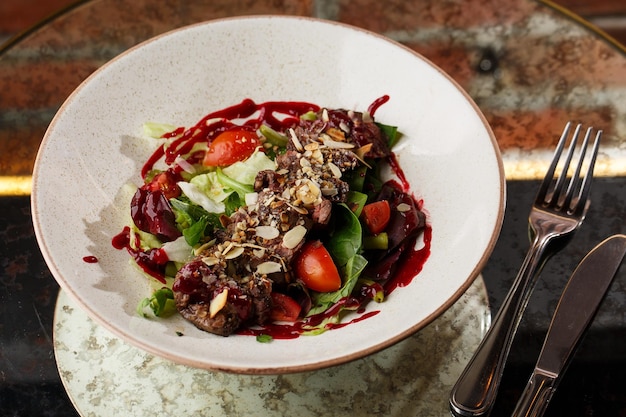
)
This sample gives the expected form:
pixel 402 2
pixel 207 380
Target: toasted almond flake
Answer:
pixel 343 126
pixel 267 232
pixel 403 207
pixel 259 253
pixel 305 162
pixel 268 267
pixel 318 156
pixel 335 144
pixel 311 146
pixel 282 171
pixel 293 237
pixel 328 192
pixel 361 160
pixel 301 210
pixel 363 150
pixel 269 200
pixel 295 140
pixel 210 260
pixel 203 247
pixel 225 249
pixel 218 302
pixel 235 252
pixel 325 116
pixel 336 134
pixel 334 169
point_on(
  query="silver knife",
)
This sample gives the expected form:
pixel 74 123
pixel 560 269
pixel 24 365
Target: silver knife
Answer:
pixel 575 311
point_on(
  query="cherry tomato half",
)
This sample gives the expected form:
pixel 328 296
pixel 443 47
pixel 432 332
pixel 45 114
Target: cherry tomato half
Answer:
pixel 166 182
pixel 315 267
pixel 231 146
pixel 376 215
pixel 284 308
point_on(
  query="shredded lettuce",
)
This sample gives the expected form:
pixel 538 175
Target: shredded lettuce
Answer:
pixel 157 130
pixel 233 185
pixel 245 171
pixel 179 250
pixel 211 185
pixel 195 193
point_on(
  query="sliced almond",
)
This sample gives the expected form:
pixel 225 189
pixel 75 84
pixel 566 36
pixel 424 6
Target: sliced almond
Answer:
pixel 295 140
pixel 329 191
pixel 203 247
pixel 334 169
pixel 218 302
pixel 335 144
pixel 210 260
pixel 268 267
pixel 234 252
pixel 325 117
pixel 403 207
pixel 311 146
pixel 267 232
pixel 336 134
pixel 363 150
pixel 292 238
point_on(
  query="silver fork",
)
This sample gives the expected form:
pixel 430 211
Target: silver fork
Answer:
pixel 554 217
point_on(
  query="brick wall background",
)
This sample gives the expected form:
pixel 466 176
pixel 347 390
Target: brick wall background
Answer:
pixel 18 15
pixel 509 111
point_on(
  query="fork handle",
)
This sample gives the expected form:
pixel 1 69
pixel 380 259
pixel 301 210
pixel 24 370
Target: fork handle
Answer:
pixel 475 391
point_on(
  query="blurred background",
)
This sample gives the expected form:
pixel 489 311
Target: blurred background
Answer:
pixel 18 15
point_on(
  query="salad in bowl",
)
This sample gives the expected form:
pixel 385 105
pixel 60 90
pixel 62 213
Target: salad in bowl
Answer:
pixel 272 219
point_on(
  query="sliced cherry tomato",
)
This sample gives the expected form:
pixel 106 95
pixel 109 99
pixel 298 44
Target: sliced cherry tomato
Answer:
pixel 231 146
pixel 284 308
pixel 315 267
pixel 166 182
pixel 376 215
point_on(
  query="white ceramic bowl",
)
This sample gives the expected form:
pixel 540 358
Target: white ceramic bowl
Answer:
pixel 93 148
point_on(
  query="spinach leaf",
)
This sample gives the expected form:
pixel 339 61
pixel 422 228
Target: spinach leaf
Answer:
pixel 393 136
pixel 346 239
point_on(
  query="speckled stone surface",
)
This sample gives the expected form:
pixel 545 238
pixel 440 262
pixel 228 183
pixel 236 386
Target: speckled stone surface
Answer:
pixel 104 375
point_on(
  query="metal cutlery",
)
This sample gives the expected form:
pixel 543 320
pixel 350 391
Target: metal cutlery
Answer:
pixel 576 308
pixel 558 211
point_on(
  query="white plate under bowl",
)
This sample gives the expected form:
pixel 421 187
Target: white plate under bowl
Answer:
pixel 93 149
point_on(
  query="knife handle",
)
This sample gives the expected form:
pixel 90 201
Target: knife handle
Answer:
pixel 536 395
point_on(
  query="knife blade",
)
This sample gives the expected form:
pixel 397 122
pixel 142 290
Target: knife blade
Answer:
pixel 574 313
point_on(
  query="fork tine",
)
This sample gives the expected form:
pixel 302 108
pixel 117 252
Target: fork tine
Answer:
pixel 583 195
pixel 560 182
pixel 547 180
pixel 575 179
